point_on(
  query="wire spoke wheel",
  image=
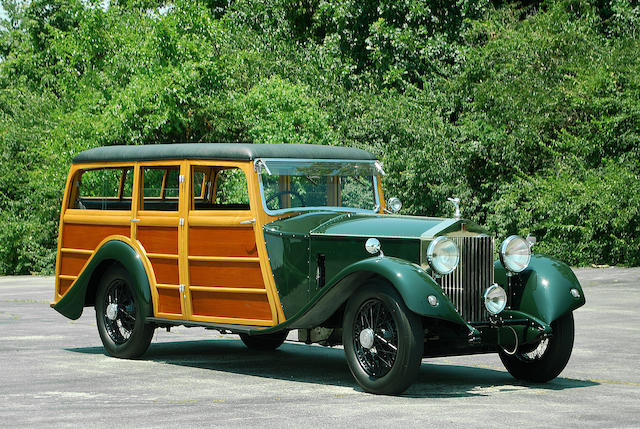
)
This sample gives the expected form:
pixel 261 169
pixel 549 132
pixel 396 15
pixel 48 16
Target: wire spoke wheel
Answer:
pixel 120 311
pixel 537 353
pixel 120 315
pixel 383 340
pixel 543 361
pixel 375 338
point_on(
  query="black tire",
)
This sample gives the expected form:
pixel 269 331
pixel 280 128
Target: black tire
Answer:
pixel 266 342
pixel 390 359
pixel 545 361
pixel 120 317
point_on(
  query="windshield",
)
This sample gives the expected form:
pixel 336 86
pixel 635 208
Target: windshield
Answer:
pixel 289 185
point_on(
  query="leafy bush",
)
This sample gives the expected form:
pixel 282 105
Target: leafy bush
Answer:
pixel 528 111
pixel 592 215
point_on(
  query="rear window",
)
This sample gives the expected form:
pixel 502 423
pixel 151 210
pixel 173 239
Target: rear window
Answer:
pixel 102 189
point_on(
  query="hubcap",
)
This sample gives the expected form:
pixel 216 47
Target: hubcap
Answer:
pixel 119 311
pixel 366 338
pixel 375 338
pixel 112 311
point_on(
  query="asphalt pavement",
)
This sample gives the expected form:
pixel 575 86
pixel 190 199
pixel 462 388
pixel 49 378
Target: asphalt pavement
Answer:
pixel 54 373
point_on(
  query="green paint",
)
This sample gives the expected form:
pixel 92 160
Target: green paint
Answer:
pixel 73 302
pixel 294 243
pixel 413 284
pixel 219 151
pixel 543 289
pixel 372 225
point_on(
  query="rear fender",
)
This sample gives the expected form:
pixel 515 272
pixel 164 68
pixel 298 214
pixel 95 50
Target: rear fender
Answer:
pixel 109 251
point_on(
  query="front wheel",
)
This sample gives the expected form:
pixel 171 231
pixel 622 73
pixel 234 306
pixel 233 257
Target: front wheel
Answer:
pixel 383 340
pixel 120 317
pixel 545 360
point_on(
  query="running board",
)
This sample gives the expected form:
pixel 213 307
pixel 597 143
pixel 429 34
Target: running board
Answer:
pixel 234 329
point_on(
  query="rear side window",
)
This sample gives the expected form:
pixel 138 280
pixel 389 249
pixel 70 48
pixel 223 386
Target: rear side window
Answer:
pixel 102 189
pixel 161 188
pixel 219 188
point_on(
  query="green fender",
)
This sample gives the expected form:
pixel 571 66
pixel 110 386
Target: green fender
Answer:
pixel 547 286
pixel 411 281
pixel 74 300
pixel 413 284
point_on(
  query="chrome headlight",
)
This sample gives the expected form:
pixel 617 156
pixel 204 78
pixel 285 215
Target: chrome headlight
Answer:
pixel 443 255
pixel 515 254
pixel 495 299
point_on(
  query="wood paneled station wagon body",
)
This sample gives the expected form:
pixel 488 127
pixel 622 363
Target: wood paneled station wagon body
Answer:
pixel 258 240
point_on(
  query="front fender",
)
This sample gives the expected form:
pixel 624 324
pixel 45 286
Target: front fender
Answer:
pixel 72 303
pixel 413 284
pixel 544 288
pixel 411 281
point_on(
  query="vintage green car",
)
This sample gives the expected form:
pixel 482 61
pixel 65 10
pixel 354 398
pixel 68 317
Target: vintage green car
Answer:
pixel 259 240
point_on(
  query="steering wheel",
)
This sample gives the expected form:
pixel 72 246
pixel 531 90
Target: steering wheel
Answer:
pixel 279 194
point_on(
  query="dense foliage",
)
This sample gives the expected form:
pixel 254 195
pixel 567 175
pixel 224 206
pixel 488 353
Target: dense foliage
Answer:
pixel 528 111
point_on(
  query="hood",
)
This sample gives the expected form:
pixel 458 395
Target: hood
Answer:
pixel 368 225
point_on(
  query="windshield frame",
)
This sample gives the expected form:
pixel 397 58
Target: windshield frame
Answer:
pixel 261 163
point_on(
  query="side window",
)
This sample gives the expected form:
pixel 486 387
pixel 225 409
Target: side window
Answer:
pixel 160 188
pixel 102 189
pixel 216 188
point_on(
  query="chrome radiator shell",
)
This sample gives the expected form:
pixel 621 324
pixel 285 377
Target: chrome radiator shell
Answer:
pixel 471 278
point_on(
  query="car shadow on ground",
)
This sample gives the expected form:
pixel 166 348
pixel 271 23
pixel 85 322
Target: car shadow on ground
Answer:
pixel 328 366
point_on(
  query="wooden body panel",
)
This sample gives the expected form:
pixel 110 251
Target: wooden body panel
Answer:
pixel 222 241
pixel 83 236
pixel 225 274
pixel 78 243
pixel 203 265
pixel 231 305
pixel 159 239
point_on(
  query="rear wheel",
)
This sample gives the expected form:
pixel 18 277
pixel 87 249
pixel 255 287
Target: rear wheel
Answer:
pixel 545 360
pixel 264 342
pixel 120 317
pixel 383 340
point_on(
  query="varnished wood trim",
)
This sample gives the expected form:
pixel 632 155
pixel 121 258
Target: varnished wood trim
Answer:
pixel 263 218
pixel 171 316
pixel 78 251
pixel 162 256
pixel 227 289
pixel 97 217
pixel 167 286
pixel 67 277
pixel 231 320
pixel 213 218
pixel 250 259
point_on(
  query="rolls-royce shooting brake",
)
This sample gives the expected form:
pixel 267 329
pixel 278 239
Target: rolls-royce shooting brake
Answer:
pixel 259 240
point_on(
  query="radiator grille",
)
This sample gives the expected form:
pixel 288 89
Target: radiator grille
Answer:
pixel 474 275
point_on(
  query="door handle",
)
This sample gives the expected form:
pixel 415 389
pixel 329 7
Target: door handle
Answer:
pixel 246 222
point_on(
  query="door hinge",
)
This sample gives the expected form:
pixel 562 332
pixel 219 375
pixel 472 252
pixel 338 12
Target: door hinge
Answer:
pixel 181 178
pixel 181 288
pixel 181 222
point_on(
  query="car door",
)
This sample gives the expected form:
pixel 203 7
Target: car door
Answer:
pixel 225 279
pixel 158 219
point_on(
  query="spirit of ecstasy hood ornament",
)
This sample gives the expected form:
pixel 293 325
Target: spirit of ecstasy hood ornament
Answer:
pixel 456 203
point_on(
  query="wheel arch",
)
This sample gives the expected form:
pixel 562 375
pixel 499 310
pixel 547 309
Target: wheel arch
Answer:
pixel 113 250
pixel 412 283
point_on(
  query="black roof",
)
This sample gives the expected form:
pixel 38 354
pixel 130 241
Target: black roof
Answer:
pixel 224 151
